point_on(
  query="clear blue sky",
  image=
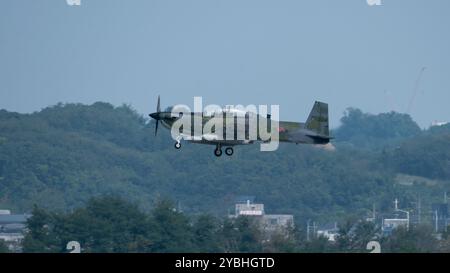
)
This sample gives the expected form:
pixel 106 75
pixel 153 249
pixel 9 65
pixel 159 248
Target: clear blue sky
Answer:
pixel 286 52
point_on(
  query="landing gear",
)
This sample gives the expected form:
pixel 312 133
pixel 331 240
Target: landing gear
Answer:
pixel 217 152
pixel 177 145
pixel 178 142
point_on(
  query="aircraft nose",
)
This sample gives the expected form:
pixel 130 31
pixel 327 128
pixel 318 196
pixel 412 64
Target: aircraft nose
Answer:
pixel 155 115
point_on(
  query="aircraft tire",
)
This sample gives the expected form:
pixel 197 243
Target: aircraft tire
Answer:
pixel 177 145
pixel 229 151
pixel 217 152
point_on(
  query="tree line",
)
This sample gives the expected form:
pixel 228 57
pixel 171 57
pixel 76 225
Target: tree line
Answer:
pixel 111 224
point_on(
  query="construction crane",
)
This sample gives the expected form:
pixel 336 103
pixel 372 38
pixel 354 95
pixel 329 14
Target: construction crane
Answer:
pixel 415 90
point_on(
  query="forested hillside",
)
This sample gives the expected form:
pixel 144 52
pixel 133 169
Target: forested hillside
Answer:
pixel 62 156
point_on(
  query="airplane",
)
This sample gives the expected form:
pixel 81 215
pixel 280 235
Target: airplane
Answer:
pixel 314 131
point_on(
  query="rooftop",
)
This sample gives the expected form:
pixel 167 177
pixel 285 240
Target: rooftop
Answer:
pixel 13 218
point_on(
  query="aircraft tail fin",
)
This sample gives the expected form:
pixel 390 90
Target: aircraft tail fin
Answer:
pixel 318 119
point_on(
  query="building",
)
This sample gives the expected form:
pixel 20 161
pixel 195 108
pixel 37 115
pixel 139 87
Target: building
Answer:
pixel 439 123
pixel 389 224
pixel 274 222
pixel 330 231
pixel 440 217
pixel 269 223
pixel 12 227
pixel 249 208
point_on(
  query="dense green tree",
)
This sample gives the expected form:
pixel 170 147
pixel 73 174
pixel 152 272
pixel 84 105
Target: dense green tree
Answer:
pixel 415 240
pixel 427 156
pixel 444 244
pixel 230 237
pixel 241 234
pixel 286 240
pixel 439 129
pixel 249 234
pixel 107 224
pixel 206 234
pixel 318 244
pixel 40 236
pixel 171 230
pixel 354 235
pixel 3 247
pixel 367 130
pixel 110 224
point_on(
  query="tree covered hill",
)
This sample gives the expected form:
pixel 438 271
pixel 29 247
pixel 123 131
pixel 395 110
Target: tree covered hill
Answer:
pixel 369 131
pixel 62 156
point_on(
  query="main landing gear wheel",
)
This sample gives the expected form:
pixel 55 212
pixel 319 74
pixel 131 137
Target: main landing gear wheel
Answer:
pixel 229 151
pixel 177 145
pixel 217 152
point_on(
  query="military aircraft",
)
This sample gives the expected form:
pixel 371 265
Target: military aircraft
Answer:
pixel 314 131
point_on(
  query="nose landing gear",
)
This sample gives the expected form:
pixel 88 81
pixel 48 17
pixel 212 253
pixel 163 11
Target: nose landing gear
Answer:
pixel 177 145
pixel 178 142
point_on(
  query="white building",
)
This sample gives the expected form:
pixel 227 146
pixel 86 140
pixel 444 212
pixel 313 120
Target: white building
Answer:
pixel 330 234
pixel 389 224
pixel 12 227
pixel 269 222
pixel 439 123
pixel 330 231
pixel 249 209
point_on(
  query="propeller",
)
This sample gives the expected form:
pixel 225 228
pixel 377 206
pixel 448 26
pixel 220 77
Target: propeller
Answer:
pixel 156 126
pixel 156 115
pixel 158 108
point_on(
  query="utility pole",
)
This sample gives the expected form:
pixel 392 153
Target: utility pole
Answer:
pixel 373 212
pixel 446 217
pixel 419 210
pixel 307 230
pixel 407 213
pixel 436 220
